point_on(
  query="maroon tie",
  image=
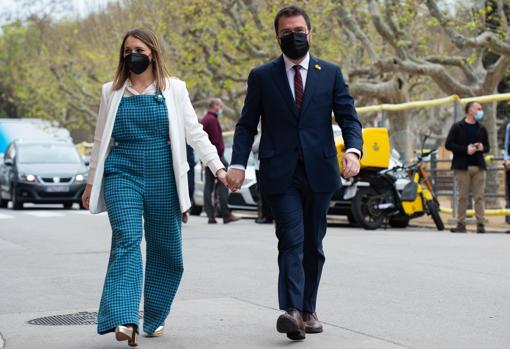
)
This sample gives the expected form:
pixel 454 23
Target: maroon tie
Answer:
pixel 298 87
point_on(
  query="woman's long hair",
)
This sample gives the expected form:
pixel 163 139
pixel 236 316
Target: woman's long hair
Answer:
pixel 158 66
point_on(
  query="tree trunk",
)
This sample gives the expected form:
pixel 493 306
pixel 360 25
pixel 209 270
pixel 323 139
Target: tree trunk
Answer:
pixel 400 135
pixel 492 183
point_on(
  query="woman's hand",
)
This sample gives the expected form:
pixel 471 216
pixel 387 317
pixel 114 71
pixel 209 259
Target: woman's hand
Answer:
pixel 222 176
pixel 85 198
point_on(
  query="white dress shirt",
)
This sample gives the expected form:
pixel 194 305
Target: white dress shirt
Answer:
pixel 130 91
pixel 291 72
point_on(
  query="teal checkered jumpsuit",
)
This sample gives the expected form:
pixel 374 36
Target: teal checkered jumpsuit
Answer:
pixel 139 181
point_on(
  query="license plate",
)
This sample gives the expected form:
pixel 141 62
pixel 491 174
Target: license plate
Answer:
pixel 57 189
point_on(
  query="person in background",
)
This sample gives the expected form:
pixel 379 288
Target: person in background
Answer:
pixel 190 157
pixel 468 141
pixel 264 215
pixel 506 164
pixel 213 128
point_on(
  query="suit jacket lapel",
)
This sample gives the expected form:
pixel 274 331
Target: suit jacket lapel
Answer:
pixel 312 79
pixel 282 82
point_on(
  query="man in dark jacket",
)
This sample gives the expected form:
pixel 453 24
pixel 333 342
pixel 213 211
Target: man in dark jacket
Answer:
pixel 213 128
pixel 468 141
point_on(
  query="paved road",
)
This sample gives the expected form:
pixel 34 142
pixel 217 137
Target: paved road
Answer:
pixel 385 289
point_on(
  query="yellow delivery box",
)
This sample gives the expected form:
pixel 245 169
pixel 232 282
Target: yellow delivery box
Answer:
pixel 376 149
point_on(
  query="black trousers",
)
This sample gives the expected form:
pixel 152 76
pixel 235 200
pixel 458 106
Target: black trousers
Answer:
pixel 209 187
pixel 264 210
pixel 300 217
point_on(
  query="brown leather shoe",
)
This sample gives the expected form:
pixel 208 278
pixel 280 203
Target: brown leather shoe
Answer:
pixel 212 221
pixel 312 323
pixel 292 324
pixel 230 218
pixel 460 228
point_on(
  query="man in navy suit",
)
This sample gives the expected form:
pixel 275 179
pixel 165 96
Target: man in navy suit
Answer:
pixel 294 97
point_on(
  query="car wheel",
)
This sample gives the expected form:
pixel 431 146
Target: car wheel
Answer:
pixel 352 220
pixel 16 204
pixel 195 210
pixel 68 205
pixel 3 202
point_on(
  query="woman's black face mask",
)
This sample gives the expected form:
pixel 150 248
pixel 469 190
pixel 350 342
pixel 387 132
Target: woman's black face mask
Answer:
pixel 137 62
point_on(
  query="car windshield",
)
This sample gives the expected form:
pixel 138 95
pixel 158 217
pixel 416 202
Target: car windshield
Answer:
pixel 48 154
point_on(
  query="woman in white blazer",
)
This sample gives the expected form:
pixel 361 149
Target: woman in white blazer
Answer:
pixel 139 168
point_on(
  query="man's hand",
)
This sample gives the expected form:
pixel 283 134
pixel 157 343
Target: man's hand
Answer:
pixel 350 165
pixel 85 198
pixel 507 164
pixel 235 178
pixel 479 147
pixel 222 176
pixel 471 149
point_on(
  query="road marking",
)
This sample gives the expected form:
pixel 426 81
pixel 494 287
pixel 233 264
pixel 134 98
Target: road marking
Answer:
pixel 5 216
pixel 44 214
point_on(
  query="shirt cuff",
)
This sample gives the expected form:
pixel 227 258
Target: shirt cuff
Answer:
pixel 238 167
pixel 355 151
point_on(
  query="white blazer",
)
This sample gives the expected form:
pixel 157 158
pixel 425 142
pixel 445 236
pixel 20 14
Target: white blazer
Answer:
pixel 184 127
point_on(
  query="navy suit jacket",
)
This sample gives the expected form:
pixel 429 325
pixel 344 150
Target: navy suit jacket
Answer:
pixel 285 132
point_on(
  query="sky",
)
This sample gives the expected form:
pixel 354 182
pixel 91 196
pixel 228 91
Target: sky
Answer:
pixel 73 7
pixel 78 7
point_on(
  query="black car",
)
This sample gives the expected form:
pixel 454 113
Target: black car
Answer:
pixel 41 172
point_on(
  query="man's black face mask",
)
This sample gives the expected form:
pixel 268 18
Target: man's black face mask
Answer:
pixel 294 45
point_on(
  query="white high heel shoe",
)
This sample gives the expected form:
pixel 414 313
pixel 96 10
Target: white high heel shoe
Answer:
pixel 158 333
pixel 126 333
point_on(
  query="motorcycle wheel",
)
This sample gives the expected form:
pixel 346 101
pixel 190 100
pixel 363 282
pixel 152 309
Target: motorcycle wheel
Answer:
pixel 363 212
pixel 433 209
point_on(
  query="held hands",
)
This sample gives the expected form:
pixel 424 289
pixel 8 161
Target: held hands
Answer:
pixel 85 198
pixel 222 176
pixel 235 179
pixel 350 165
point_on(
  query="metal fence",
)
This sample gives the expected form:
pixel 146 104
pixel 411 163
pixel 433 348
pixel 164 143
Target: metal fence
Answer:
pixel 443 179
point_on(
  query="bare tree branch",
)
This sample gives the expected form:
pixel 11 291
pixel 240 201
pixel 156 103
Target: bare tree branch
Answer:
pixel 392 89
pixel 347 20
pixel 484 40
pixel 494 74
pixel 502 17
pixel 437 72
pixel 385 32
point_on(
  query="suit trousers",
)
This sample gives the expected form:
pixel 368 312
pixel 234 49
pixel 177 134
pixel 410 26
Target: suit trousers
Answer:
pixel 210 184
pixel 300 219
pixel 472 179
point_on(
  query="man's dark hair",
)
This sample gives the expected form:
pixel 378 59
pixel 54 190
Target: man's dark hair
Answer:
pixel 291 11
pixel 469 105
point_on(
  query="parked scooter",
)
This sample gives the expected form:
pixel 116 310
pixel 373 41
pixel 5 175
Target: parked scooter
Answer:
pixel 376 199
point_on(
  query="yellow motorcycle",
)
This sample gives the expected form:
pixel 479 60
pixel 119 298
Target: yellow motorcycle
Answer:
pixel 380 201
